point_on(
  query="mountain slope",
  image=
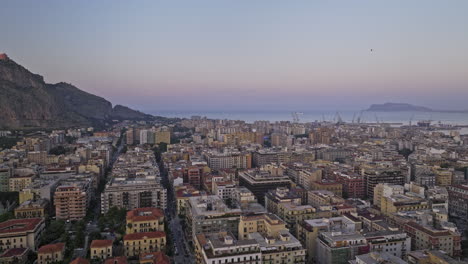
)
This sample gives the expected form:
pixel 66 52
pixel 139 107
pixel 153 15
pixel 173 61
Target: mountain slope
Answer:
pixel 26 101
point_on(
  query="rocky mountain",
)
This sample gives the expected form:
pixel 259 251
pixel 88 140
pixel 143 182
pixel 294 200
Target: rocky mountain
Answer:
pixel 26 101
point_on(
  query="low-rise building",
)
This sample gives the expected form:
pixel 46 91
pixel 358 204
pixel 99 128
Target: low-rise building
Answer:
pixel 21 233
pixel 32 209
pixel 154 258
pixel 146 242
pixel 116 260
pixel 101 249
pixel 80 260
pixel 14 256
pixel 146 219
pixel 51 253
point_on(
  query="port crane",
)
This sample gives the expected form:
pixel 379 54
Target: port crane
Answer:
pixel 295 116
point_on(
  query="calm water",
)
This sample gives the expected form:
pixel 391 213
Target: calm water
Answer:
pixel 347 116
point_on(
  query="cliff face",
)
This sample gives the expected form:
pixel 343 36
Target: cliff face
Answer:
pixel 26 101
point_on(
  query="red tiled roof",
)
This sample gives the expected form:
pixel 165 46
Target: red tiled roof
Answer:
pixel 51 248
pixel 135 215
pixel 116 260
pixel 12 252
pixel 80 260
pixel 157 257
pixel 138 236
pixel 19 225
pixel 101 243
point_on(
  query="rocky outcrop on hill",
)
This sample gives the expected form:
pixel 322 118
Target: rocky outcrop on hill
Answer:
pixel 124 113
pixel 26 101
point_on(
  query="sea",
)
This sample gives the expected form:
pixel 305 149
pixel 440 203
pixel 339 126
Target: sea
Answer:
pixel 311 116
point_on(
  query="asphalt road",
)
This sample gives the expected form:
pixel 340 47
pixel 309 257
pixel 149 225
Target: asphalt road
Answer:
pixel 184 254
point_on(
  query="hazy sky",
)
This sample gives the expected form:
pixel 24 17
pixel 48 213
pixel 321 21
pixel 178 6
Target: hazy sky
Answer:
pixel 233 55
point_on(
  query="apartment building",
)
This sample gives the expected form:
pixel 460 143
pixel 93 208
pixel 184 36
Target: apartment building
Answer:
pixel 396 243
pixel 259 182
pixel 308 231
pixel 458 201
pixel 5 174
pixel 70 202
pixel 280 248
pixel 206 214
pixel 133 193
pixel 340 248
pixel 223 247
pixel 265 224
pixel 334 187
pixel 425 237
pixel 18 183
pixel 228 160
pixel 280 195
pixel 374 177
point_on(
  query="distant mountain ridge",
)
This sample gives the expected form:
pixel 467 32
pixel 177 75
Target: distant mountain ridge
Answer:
pixel 404 107
pixel 26 101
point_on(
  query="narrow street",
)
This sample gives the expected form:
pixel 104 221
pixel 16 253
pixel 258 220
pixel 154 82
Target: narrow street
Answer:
pixel 182 252
pixel 92 226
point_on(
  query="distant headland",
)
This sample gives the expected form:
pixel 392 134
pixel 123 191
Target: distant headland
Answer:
pixel 404 107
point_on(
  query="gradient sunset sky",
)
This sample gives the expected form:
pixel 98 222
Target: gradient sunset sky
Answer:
pixel 246 55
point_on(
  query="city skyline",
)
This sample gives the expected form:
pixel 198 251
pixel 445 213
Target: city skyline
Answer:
pixel 210 56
